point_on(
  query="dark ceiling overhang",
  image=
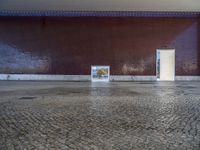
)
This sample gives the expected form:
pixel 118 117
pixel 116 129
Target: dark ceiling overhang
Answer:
pixel 102 5
pixel 100 13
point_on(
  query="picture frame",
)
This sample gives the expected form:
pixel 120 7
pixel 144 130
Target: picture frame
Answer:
pixel 100 73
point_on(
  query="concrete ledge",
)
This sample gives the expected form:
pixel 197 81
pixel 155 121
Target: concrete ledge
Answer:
pixel 87 77
pixel 45 77
pixel 132 78
pixel 71 77
pixel 187 78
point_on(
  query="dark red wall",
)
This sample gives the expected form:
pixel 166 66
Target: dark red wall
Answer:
pixel 61 45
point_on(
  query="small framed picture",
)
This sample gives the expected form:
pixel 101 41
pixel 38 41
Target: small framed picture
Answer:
pixel 100 73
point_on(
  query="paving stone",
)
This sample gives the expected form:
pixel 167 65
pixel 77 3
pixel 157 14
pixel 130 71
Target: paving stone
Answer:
pixel 100 116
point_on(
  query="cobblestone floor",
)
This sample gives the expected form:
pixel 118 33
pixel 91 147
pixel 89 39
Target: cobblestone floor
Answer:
pixel 86 116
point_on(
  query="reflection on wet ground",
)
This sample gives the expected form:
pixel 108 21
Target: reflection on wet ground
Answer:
pixel 116 115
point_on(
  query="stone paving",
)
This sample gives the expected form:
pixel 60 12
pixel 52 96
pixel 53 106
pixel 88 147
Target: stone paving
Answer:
pixel 100 116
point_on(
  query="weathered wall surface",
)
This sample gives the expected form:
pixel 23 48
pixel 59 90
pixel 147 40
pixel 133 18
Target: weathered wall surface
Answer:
pixel 61 45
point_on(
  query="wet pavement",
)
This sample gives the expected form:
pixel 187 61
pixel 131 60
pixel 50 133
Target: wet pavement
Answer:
pixel 95 116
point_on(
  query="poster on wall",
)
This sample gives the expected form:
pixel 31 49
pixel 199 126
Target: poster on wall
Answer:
pixel 100 73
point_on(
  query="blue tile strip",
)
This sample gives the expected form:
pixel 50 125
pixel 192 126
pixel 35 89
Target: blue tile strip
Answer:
pixel 98 13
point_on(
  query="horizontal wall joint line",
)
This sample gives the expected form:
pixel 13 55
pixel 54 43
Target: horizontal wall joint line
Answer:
pixel 99 13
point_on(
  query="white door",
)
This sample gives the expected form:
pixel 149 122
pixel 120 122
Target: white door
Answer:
pixel 167 65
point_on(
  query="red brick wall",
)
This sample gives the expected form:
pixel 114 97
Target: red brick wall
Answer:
pixel 59 45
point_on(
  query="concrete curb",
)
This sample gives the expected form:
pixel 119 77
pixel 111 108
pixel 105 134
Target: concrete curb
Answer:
pixel 42 77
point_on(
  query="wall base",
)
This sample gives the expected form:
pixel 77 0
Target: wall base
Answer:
pixel 132 78
pixel 27 77
pixel 187 78
pixel 44 77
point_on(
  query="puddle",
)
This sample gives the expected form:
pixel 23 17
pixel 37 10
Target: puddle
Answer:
pixel 27 97
pixel 146 83
pixel 187 87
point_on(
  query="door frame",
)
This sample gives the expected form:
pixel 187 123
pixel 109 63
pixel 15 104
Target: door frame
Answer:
pixel 158 63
